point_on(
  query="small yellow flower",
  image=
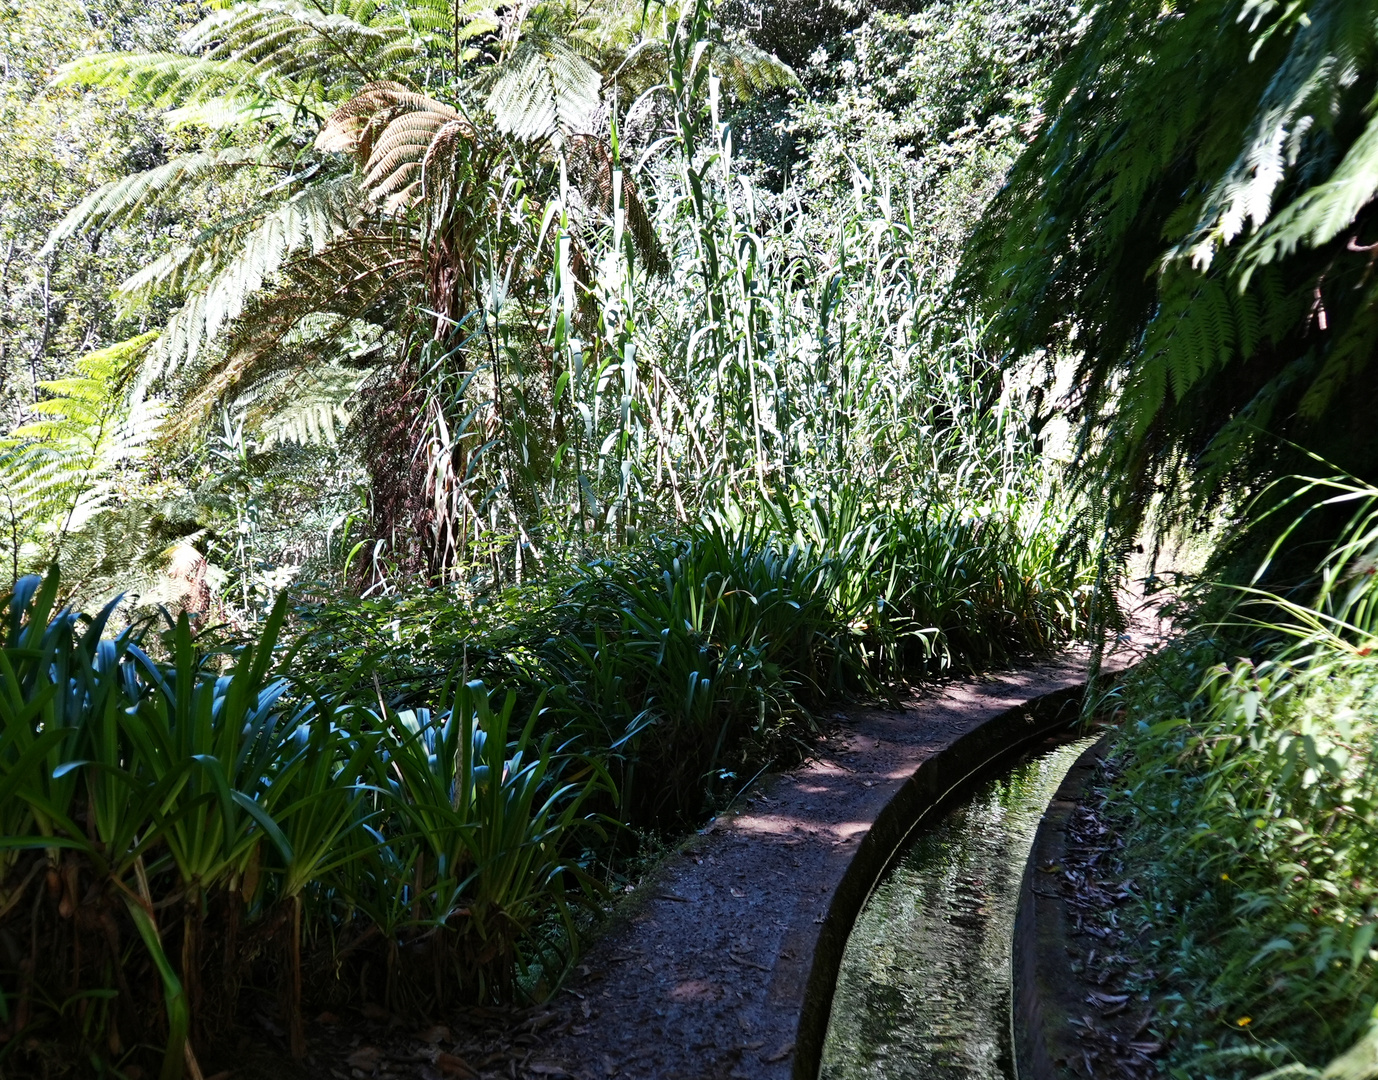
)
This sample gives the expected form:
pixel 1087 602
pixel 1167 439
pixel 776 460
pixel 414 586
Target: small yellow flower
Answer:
pixel 1224 877
pixel 1245 1021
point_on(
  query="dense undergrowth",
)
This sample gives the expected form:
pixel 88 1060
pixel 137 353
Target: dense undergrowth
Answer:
pixel 188 826
pixel 700 655
pixel 1250 806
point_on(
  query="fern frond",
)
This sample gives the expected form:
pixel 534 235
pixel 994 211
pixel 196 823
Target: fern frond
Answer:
pixel 1327 43
pixel 1322 212
pixel 544 86
pixel 746 71
pixel 123 200
pixel 227 275
pixel 58 471
pixel 312 314
pixel 307 405
pixel 1197 223
pixel 231 111
pixel 155 79
pixel 283 40
pixel 354 128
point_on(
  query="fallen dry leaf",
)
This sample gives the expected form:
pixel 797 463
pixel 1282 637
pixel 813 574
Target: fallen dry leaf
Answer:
pixel 748 963
pixel 365 1058
pixel 437 1033
pixel 452 1065
pixel 780 1055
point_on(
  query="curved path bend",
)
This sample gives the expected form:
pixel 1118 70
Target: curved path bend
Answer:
pixel 706 975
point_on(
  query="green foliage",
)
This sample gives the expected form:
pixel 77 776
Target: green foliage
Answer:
pixel 686 658
pixel 212 804
pixel 937 98
pixel 55 307
pixel 698 658
pixel 1192 224
pixel 519 275
pixel 1250 802
pixel 60 470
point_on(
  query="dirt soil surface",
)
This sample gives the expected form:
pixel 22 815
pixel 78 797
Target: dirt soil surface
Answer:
pixel 702 972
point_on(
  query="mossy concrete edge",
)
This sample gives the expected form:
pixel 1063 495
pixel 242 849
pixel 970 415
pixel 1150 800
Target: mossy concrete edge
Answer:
pixel 1040 1005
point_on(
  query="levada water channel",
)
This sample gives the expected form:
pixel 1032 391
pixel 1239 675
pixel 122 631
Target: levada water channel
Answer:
pixel 924 987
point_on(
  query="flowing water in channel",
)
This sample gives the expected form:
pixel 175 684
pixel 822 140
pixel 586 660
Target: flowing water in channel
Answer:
pixel 924 988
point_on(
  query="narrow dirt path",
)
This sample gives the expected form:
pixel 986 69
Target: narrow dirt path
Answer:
pixel 705 977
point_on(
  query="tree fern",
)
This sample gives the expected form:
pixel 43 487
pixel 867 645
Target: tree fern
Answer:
pixel 1194 223
pixel 422 165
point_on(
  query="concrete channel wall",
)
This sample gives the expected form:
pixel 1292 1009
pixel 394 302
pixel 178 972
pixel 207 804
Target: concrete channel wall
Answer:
pixel 939 783
pixel 1042 1000
pixel 723 966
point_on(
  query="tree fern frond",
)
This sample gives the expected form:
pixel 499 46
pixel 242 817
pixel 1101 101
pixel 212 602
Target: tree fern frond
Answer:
pixel 231 111
pixel 353 128
pixel 1320 213
pixel 746 71
pixel 1196 222
pixel 155 79
pixel 313 311
pixel 543 86
pixel 281 39
pixel 121 201
pixel 311 220
pixel 1328 39
pixel 309 405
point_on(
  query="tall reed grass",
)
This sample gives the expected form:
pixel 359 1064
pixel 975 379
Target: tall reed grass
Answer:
pixel 796 344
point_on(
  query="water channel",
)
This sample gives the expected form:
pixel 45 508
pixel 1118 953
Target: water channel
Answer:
pixel 924 987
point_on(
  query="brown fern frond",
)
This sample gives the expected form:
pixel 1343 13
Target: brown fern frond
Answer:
pixel 590 168
pixel 355 127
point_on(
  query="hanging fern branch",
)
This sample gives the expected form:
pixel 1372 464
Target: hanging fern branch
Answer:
pixel 1193 225
pixel 60 468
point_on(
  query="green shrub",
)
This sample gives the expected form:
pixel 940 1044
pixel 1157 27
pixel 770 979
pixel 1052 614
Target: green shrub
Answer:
pixel 1250 800
pixel 698 658
pixel 213 798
